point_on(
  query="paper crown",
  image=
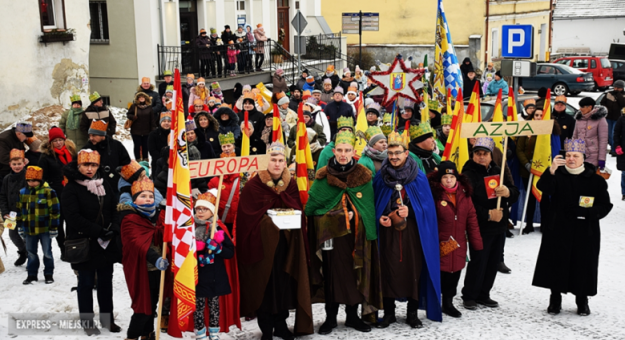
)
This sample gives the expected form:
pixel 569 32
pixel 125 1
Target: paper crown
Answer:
pixel 374 106
pixel 446 119
pixel 16 153
pixel 575 145
pixel 24 127
pixel 352 89
pixel 372 131
pixel 387 124
pixel 34 172
pixel 433 105
pixel 88 156
pixel 210 100
pixel 227 138
pixel 207 200
pixel 484 143
pixel 529 102
pixel 94 96
pixel 249 96
pixel 306 94
pixel 396 139
pixel 280 95
pixel 145 184
pixel 31 140
pixel 201 80
pixel 408 104
pixel 344 122
pixel 129 170
pixel 169 88
pixel 75 98
pixel 561 98
pixel 98 127
pixel 215 85
pixel 167 73
pixel 189 124
pixel 422 129
pixel 165 115
pixel 276 148
pixel 345 137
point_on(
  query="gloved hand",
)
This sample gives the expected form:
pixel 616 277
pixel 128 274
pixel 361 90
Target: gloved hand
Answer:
pixel 162 264
pixel 200 245
pixel 214 246
pixel 601 165
pixel 219 236
pixel 619 151
pixel 106 235
pixel 54 233
pixel 528 166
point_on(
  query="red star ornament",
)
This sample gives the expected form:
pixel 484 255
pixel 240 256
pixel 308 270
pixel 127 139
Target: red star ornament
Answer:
pixel 398 80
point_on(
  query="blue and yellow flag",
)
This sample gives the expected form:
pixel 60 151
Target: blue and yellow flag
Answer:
pixel 447 74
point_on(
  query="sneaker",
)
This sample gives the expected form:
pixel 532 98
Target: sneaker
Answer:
pixel 488 303
pixel 49 279
pixel 502 268
pixel 469 304
pixel 30 279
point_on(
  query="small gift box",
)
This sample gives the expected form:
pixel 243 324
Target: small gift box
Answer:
pixel 286 218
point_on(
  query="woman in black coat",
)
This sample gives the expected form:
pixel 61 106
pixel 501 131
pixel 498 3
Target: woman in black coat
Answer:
pixel 84 196
pixel 159 138
pixel 619 146
pixel 568 259
pixel 208 130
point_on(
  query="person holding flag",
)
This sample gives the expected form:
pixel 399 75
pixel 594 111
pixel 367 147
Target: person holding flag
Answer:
pixel 229 198
pixel 273 262
pixel 457 148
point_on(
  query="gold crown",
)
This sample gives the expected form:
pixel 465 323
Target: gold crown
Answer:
pixel 276 148
pixel 446 119
pixel 75 98
pixel 228 138
pixel 145 184
pixel 207 196
pixel 130 169
pixel 16 153
pixel 387 125
pixel 248 95
pixel 420 130
pixel 88 156
pixel 372 131
pixel 166 115
pixel 34 172
pixel 352 89
pixel 396 139
pixel 95 96
pixel 280 95
pixel 561 98
pixel 98 127
pixel 433 105
pixel 345 137
pixel 344 122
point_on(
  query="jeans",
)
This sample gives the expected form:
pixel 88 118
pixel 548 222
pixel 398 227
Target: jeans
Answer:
pixel 86 282
pixel 623 183
pixel 32 243
pixel 611 124
pixel 141 147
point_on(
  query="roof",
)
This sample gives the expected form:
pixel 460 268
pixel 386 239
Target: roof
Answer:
pixel 585 9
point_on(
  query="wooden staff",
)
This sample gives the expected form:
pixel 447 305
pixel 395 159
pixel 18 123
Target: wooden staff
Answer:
pixel 503 167
pixel 214 226
pixel 160 296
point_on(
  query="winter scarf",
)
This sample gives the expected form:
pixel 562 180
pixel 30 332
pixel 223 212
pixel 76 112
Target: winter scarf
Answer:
pixel 147 210
pixel 340 170
pixel 450 190
pixel 374 154
pixel 403 175
pixel 94 186
pixel 575 171
pixel 203 93
pixel 64 155
pixel 73 118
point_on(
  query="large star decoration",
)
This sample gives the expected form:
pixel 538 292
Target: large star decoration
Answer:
pixel 407 81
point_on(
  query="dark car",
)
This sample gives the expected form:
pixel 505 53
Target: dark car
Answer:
pixel 561 79
pixel 618 69
pixel 488 106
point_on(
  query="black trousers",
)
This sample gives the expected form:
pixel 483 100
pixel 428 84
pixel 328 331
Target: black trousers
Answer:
pixel 389 305
pixel 449 283
pixel 204 67
pixel 60 238
pixel 143 324
pixel 140 146
pixel 216 59
pixel 18 241
pixel 260 58
pixel 86 282
pixel 482 269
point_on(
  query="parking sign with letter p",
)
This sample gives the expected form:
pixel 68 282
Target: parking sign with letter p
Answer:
pixel 517 41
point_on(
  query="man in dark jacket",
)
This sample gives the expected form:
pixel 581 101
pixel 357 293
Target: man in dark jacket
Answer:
pixel 159 138
pixel 217 54
pixel 98 111
pixel 157 102
pixel 253 115
pixel 296 98
pixel 337 108
pixel 12 139
pixel 112 153
pixel 493 222
pixel 203 45
pixel 226 36
pixel 564 120
pixel 169 80
pixel 614 101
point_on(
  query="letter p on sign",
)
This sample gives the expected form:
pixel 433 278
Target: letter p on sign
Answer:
pixel 512 43
pixel 517 41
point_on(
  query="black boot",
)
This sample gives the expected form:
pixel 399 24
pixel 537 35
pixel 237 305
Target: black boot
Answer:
pixel 23 256
pixel 30 279
pixel 528 229
pixel 332 309
pixel 449 309
pixel 555 303
pixel 502 268
pixel 281 330
pixel 582 305
pixel 387 319
pixel 413 319
pixel 354 321
pixel 265 323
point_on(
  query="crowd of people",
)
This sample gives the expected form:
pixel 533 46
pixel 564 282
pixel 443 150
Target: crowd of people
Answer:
pixel 392 224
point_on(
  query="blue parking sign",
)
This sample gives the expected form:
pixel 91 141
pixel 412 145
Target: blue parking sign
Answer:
pixel 517 41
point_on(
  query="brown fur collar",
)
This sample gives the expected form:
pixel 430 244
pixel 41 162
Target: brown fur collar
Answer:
pixel 265 177
pixel 361 175
pixel 141 89
pixel 148 99
pixel 125 207
pixel 45 148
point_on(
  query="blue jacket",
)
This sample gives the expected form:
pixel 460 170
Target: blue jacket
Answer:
pixel 494 86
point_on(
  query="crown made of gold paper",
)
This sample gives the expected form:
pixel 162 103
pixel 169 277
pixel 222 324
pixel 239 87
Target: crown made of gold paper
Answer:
pixel 169 88
pixel 144 184
pixel 420 130
pixel 166 115
pixel 130 169
pixel 248 95
pixel 433 105
pixel 280 95
pixel 94 96
pixel 75 98
pixel 345 137
pixel 387 125
pixel 484 143
pixel 344 122
pixel 396 139
pixel 276 148
pixel 227 138
pixel 31 140
pixel 446 119
pixel 24 127
pixel 88 156
pixel 34 172
pixel 98 127
pixel 372 131
pixel 208 197
pixel 575 145
pixel 16 153
pixel 190 124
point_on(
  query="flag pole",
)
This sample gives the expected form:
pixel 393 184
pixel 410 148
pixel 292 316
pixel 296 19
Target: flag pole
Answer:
pixel 214 225
pixel 503 168
pixel 527 198
pixel 160 296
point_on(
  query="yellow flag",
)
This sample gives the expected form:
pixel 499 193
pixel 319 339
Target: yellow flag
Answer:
pixel 542 151
pixel 498 118
pixel 361 126
pixel 245 141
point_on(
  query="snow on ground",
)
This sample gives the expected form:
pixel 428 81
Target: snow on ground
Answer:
pixel 522 313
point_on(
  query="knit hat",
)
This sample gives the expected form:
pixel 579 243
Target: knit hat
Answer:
pixel 316 91
pixel 575 145
pixel 165 115
pixel 310 79
pixel 346 70
pixel 330 68
pixel 98 128
pixel 24 127
pixel 56 132
pixel 88 156
pixel 307 113
pixel 484 143
pixel 145 184
pixel 259 25
pixel 373 135
pixel 338 89
pixel 446 168
pixel 542 92
pixel 131 171
pixel 587 101
pixel 283 100
pixel 247 87
pixel 357 69
pixel 16 153
pixel 207 200
pixel 75 98
pixel 215 85
pixel 226 26
pixel 498 74
pixel 421 132
pixel 619 83
pixel 34 173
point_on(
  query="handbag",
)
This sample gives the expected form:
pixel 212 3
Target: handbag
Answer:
pixel 77 250
pixel 605 173
pixel 129 122
pixel 449 246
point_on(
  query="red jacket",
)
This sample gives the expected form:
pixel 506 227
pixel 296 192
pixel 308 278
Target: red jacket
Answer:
pixel 225 194
pixel 456 220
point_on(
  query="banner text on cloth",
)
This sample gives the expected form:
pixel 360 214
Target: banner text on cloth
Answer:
pixel 228 165
pixel 507 129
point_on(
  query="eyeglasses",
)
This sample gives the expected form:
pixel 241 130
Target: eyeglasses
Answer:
pixel 201 210
pixel 396 153
pixel 198 106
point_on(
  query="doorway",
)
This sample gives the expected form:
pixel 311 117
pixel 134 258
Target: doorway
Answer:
pixel 188 33
pixel 283 24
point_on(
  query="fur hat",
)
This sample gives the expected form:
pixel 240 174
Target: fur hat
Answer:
pixel 587 101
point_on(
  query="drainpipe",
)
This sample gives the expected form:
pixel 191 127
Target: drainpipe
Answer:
pixel 160 19
pixel 486 36
pixel 550 30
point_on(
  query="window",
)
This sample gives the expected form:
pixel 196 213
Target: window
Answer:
pixel 605 63
pixel 296 4
pixel 99 22
pixel 547 70
pixel 283 3
pixel 563 62
pixel 52 14
pixel 240 5
pixel 593 63
pixel 580 63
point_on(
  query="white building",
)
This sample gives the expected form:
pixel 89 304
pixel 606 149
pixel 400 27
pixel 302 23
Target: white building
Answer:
pixel 45 55
pixel 587 27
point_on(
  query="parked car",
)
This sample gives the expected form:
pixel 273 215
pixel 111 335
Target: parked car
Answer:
pixel 561 79
pixel 618 69
pixel 600 67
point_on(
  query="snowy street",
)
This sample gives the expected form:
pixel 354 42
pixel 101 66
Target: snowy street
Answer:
pixel 522 313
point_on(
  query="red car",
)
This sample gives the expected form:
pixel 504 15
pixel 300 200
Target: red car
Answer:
pixel 600 67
